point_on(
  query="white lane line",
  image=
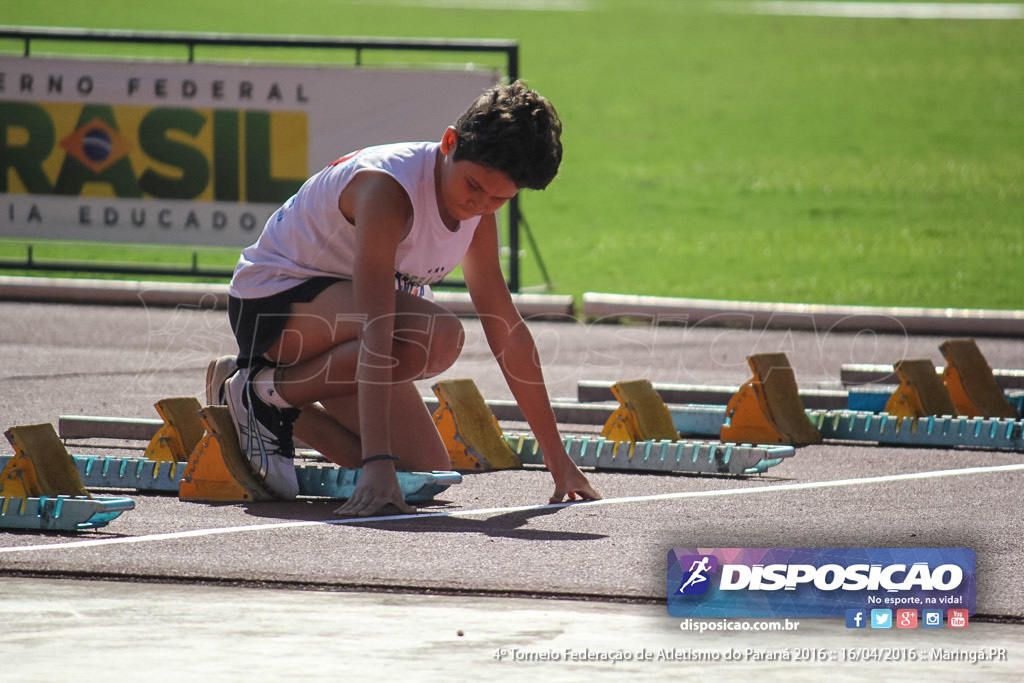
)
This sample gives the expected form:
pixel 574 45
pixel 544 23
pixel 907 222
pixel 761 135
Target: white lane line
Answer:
pixel 679 495
pixel 882 10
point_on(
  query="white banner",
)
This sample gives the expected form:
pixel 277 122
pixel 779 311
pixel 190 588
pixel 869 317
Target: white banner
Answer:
pixel 193 154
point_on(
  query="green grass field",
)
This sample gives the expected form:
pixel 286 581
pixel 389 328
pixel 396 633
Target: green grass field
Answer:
pixel 726 155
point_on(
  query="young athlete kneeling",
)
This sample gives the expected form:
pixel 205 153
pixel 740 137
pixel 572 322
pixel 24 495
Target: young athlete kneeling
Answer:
pixel 334 317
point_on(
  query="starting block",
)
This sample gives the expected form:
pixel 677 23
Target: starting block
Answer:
pixel 639 436
pixel 41 466
pixel 180 433
pixel 469 429
pixel 767 408
pixel 921 392
pixel 216 470
pixel 40 487
pixel 658 456
pixel 641 416
pixel 972 387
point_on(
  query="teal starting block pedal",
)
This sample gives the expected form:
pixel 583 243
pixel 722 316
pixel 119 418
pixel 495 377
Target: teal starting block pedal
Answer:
pixel 61 513
pixel 339 482
pixel 696 457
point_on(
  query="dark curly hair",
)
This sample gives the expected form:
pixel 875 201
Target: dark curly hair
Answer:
pixel 515 130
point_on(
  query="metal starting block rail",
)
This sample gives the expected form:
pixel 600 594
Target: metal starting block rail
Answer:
pixel 658 456
pixel 849 425
pixel 339 482
pixel 61 513
pixel 321 480
pixel 942 432
pixel 140 474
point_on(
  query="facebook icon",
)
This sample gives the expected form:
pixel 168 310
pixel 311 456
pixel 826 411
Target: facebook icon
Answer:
pixel 856 618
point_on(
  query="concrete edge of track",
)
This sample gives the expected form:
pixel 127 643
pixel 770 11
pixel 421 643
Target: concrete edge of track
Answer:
pixel 213 295
pixel 816 317
pixel 595 306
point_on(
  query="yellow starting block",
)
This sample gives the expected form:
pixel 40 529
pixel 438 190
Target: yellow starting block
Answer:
pixel 767 409
pixel 972 387
pixel 41 466
pixel 641 416
pixel 41 488
pixel 181 432
pixel 216 470
pixel 469 429
pixel 921 392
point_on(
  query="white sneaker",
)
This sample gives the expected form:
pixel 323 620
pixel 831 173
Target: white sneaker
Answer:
pixel 217 373
pixel 264 434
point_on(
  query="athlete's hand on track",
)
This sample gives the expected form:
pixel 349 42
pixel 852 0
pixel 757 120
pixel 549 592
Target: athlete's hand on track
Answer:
pixel 573 484
pixel 376 491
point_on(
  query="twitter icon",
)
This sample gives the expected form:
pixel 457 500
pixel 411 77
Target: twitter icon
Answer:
pixel 881 618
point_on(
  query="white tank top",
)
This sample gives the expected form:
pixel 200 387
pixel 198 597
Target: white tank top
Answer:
pixel 310 237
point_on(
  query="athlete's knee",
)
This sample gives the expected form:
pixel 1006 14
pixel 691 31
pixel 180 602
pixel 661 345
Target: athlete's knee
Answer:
pixel 427 341
pixel 446 342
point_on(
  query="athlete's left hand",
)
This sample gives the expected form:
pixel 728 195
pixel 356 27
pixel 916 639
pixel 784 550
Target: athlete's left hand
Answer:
pixel 573 484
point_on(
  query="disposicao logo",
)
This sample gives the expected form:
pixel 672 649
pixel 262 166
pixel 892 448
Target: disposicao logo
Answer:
pixel 817 582
pixel 696 580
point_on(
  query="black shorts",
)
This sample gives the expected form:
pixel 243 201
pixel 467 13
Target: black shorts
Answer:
pixel 258 323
